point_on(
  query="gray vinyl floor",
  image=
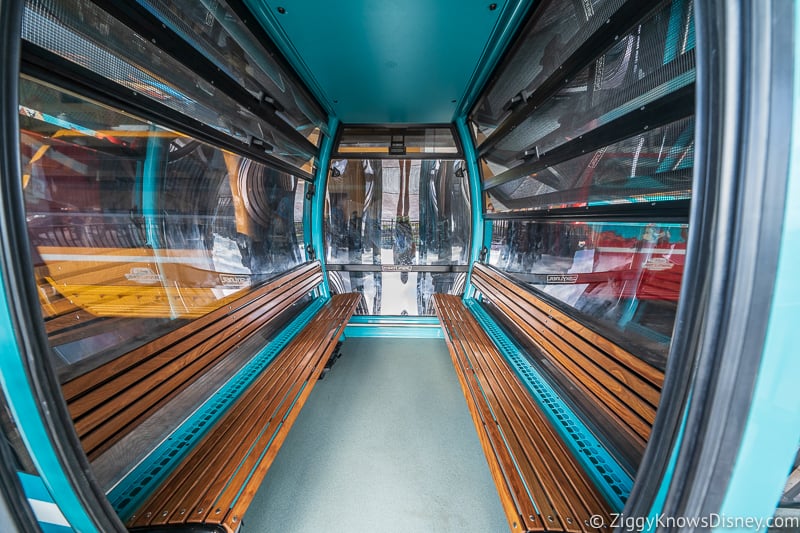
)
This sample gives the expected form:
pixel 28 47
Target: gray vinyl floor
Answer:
pixel 384 443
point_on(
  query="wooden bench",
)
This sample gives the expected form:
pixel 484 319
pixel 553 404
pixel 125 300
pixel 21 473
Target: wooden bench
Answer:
pixel 616 390
pixel 215 483
pixel 541 485
pixel 111 400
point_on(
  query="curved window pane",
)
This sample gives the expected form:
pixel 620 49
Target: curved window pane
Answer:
pixel 397 212
pixel 624 278
pixel 136 229
pixel 653 167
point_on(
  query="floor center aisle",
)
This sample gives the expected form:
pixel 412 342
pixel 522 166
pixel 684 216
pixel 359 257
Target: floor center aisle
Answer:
pixel 384 443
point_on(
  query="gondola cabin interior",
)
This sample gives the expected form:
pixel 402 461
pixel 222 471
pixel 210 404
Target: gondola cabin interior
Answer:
pixel 407 266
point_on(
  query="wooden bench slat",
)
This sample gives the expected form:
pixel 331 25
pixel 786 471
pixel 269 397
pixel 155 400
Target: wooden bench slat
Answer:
pixel 522 444
pixel 623 389
pixel 495 468
pixel 525 510
pixel 533 445
pixel 223 472
pixel 527 420
pixel 638 417
pixel 208 459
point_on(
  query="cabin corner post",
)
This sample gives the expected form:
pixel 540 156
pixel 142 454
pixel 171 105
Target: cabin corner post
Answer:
pixel 318 202
pixel 476 201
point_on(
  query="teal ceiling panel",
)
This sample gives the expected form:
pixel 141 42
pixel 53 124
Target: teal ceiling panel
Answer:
pixel 384 61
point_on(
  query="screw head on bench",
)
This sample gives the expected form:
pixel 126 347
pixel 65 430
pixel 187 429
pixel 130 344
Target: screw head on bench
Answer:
pixel 200 511
pixel 235 519
pixel 531 518
pixel 217 511
pixel 165 513
pixel 148 515
pixel 550 518
pixel 183 511
pixel 515 525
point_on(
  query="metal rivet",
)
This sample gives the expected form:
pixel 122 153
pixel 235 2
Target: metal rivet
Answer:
pixel 165 513
pixel 282 10
pixel 550 518
pixel 235 519
pixel 569 520
pixel 217 511
pixel 183 511
pixel 200 511
pixel 531 517
pixel 492 7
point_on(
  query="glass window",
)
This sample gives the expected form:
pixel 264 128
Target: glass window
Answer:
pixel 555 30
pixel 397 293
pixel 397 212
pixel 136 229
pixel 653 167
pixel 624 278
pixel 79 31
pixel 215 30
pixel 636 71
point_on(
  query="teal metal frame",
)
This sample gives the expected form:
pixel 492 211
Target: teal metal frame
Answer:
pixel 318 202
pixel 25 410
pixel 476 201
pixel 397 327
pixel 772 430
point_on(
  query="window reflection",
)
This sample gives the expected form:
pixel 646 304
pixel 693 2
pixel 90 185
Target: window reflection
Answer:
pixel 397 212
pixel 401 215
pixel 397 293
pixel 136 229
pixel 626 277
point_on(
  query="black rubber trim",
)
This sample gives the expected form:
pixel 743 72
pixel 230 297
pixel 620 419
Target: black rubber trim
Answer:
pixel 741 166
pixel 46 66
pixel 670 211
pixel 669 108
pixel 20 289
pixel 603 38
pixel 149 26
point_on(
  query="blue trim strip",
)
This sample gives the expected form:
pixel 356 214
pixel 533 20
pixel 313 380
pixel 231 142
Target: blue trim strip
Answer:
pixel 149 188
pixel 476 200
pixel 387 320
pixel 394 332
pixel 130 493
pixel 318 202
pixel 610 478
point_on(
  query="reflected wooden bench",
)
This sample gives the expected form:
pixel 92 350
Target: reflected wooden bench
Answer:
pixel 541 484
